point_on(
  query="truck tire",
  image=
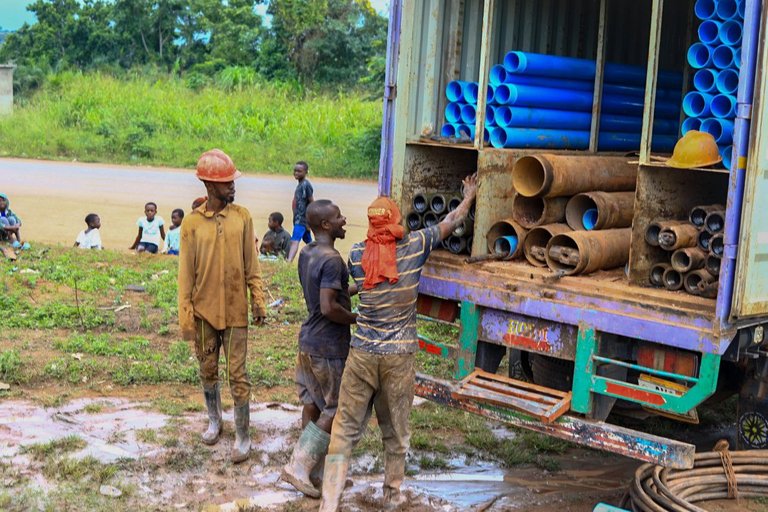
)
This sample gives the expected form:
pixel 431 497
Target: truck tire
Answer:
pixel 551 372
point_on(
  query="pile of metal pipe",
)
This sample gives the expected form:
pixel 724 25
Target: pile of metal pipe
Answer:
pixel 695 247
pixel 716 60
pixel 430 208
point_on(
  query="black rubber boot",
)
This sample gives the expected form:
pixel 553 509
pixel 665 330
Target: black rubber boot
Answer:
pixel 242 447
pixel 213 403
pixel 308 452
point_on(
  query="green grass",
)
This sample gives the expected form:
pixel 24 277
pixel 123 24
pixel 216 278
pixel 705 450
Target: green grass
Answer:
pixel 11 367
pixel 264 127
pixel 54 448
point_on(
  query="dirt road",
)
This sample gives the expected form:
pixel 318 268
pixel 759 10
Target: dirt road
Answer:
pixel 53 198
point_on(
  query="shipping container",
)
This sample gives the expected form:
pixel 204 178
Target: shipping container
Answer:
pixel 608 335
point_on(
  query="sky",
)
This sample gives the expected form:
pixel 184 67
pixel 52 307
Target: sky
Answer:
pixel 13 13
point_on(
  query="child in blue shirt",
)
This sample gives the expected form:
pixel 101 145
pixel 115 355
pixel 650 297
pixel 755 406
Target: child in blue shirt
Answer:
pixel 151 231
pixel 174 233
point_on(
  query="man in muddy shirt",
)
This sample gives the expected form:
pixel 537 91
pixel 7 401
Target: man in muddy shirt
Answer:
pixel 323 341
pixel 379 370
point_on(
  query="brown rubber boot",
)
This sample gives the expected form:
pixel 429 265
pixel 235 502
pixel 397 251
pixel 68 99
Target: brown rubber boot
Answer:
pixel 308 452
pixel 213 403
pixel 242 447
pixel 334 478
pixel 394 474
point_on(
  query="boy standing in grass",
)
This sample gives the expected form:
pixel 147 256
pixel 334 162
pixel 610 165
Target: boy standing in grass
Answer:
pixel 302 197
pixel 173 239
pixel 151 231
pixel 90 238
pixel 276 241
pixel 323 341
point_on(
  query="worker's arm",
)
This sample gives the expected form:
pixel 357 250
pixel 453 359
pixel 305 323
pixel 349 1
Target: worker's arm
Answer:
pixel 138 239
pixel 253 273
pixel 162 232
pixel 353 290
pixel 332 310
pixel 186 282
pixel 457 216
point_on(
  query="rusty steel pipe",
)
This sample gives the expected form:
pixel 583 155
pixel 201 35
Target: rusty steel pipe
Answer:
pixel 703 240
pixel 673 280
pixel 614 209
pixel 464 229
pixel 655 228
pixel 420 203
pixel 699 213
pixel 453 203
pixel 583 252
pixel 712 264
pixel 709 290
pixel 678 237
pixel 696 280
pixel 414 221
pixel 656 275
pixel 506 228
pixel 438 203
pixel 530 212
pixel 430 219
pixel 549 175
pixel 456 244
pixel 535 246
pixel 717 245
pixel 687 259
pixel 715 221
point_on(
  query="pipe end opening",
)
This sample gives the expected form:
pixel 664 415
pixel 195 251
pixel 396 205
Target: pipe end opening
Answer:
pixel 529 176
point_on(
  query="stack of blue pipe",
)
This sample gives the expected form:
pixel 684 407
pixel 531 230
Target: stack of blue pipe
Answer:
pixel 545 101
pixel 711 107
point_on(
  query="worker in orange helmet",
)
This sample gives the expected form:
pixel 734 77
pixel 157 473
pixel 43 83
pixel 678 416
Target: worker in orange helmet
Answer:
pixel 218 266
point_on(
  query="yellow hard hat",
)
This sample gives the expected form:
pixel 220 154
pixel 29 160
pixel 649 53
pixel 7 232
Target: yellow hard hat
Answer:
pixel 695 149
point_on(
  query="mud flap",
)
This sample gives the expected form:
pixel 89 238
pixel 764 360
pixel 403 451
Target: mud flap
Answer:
pixel 489 356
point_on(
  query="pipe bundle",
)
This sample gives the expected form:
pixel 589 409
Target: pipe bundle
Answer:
pixel 429 209
pixel 545 101
pixel 716 59
pixel 695 247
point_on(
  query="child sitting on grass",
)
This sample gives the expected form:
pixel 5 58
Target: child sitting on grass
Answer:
pixel 90 238
pixel 151 231
pixel 10 224
pixel 173 239
pixel 277 241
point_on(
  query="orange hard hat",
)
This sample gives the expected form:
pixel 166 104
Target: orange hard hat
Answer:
pixel 215 165
pixel 695 149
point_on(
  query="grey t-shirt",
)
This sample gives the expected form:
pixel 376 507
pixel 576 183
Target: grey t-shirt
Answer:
pixel 321 266
pixel 301 197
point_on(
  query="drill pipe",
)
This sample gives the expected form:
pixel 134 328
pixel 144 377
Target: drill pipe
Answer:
pixel 582 252
pixel 678 237
pixel 530 212
pixel 465 228
pixel 715 221
pixel 438 203
pixel 696 280
pixel 656 276
pixel 614 209
pixel 702 241
pixel 420 203
pixel 699 213
pixel 535 246
pixel 713 264
pixel 709 290
pixel 716 245
pixel 657 226
pixel 430 219
pixel 414 221
pixel 503 228
pixel 673 280
pixel 456 244
pixel 548 175
pixel 453 203
pixel 687 259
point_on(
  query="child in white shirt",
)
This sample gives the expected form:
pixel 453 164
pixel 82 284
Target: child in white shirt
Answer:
pixel 90 238
pixel 151 231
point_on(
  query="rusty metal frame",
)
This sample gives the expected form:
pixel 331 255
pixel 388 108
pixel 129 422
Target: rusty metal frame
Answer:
pixel 597 103
pixel 654 43
pixel 485 65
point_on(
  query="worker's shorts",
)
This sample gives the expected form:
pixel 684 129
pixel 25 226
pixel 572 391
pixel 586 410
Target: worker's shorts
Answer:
pixel 318 381
pixel 301 233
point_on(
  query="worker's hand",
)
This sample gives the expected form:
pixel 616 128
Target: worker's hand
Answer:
pixel 469 186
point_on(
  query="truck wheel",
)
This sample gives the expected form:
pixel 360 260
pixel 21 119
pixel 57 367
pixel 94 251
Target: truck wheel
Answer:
pixel 753 430
pixel 489 356
pixel 551 372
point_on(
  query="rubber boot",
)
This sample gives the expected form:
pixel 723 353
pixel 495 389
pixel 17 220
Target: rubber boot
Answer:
pixel 242 446
pixel 316 475
pixel 309 450
pixel 394 474
pixel 213 402
pixel 334 478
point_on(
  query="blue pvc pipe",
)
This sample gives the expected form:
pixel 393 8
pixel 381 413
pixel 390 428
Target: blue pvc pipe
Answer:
pixel 727 81
pixel 489 93
pixel 505 245
pixel 585 85
pixel 503 115
pixel 720 129
pixel 737 59
pixel 709 32
pixel 453 112
pixel 454 91
pixel 697 104
pixel 741 7
pixel 727 9
pixel 486 135
pixel 690 123
pixel 723 106
pixel 726 153
pixel 704 9
pixel 699 55
pixel 589 219
pixel 724 57
pixel 448 130
pixel 705 79
pixel 730 32
pixel 471 90
pixel 573 139
pixel 583 69
pixel 465 130
pixel 490 115
pixel 497 75
pixel 468 114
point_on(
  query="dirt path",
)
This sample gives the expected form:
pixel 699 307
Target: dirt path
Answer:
pixel 53 198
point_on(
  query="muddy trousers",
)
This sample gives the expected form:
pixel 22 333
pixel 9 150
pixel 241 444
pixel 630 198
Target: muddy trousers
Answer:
pixel 208 344
pixel 385 382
